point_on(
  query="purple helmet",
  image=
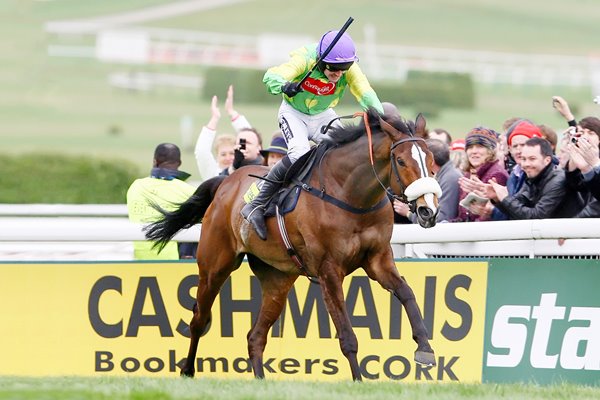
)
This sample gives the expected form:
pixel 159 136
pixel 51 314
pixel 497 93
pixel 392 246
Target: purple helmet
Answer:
pixel 342 52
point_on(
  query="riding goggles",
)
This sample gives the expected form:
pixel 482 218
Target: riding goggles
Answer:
pixel 339 66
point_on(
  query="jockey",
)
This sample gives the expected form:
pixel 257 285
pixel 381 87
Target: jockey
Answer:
pixel 307 106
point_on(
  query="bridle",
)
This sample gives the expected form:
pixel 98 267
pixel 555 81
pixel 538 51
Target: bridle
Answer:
pixel 411 138
pixel 417 188
pixel 402 197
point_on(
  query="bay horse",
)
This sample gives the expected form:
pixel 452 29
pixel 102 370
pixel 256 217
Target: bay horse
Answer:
pixel 331 241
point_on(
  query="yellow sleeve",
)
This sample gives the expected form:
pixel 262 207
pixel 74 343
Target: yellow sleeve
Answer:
pixel 361 89
pixel 292 70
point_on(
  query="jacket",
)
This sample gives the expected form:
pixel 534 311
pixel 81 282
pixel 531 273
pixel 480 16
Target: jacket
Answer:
pixel 166 189
pixel 489 170
pixel 447 177
pixel 319 93
pixel 544 196
pixel 590 182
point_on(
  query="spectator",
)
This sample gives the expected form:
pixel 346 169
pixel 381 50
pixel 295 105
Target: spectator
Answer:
pixel 447 176
pixel 166 188
pixel 247 150
pixel 308 105
pixel 509 161
pixel 544 193
pixel 482 166
pixel 583 165
pixel 223 146
pixel 457 153
pixel 440 134
pixel 276 151
pixel 518 135
pixel 224 150
pixel 550 135
pixel 561 105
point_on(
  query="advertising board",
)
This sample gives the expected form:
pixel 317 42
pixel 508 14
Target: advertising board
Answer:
pixel 543 321
pixel 131 319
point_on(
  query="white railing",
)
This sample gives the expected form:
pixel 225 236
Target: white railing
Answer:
pixel 103 232
pixel 145 45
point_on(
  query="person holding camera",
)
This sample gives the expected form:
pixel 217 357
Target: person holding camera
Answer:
pixel 582 164
pixel 312 83
pixel 247 150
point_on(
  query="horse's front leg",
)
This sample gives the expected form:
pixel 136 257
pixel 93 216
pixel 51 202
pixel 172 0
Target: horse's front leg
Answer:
pixel 331 277
pixel 275 286
pixel 381 268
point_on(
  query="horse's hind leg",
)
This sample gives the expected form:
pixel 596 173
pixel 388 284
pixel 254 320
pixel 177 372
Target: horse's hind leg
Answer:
pixel 382 269
pixel 275 286
pixel 214 267
pixel 198 326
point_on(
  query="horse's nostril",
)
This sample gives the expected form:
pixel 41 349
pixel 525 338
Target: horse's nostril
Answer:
pixel 424 212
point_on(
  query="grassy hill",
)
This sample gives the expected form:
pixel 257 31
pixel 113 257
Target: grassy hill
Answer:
pixel 66 104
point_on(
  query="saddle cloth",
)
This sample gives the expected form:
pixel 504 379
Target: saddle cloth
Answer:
pixel 300 172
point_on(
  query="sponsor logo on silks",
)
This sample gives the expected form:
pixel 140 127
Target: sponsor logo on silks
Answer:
pixel 253 191
pixel 562 336
pixel 318 87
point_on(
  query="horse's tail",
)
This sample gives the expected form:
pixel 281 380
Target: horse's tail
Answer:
pixel 184 216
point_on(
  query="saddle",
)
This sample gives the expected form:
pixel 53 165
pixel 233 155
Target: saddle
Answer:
pixel 299 173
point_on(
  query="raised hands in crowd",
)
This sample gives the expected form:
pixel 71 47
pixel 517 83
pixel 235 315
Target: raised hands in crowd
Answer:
pixel 539 184
pixel 513 174
pixel 583 152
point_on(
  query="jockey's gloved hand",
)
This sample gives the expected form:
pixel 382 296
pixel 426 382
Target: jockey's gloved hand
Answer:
pixel 291 88
pixel 238 157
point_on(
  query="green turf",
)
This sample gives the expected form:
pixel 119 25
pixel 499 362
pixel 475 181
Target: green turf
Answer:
pixel 58 104
pixel 67 388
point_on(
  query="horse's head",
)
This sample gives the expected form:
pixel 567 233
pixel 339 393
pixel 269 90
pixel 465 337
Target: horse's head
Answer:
pixel 412 181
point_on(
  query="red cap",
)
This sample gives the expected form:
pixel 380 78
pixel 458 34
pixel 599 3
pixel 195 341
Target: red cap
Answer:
pixel 524 128
pixel 458 144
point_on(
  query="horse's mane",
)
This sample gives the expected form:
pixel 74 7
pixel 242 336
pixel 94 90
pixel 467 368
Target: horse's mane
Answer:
pixel 349 132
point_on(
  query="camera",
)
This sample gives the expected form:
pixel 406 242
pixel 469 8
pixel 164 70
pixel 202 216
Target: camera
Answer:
pixel 242 144
pixel 574 139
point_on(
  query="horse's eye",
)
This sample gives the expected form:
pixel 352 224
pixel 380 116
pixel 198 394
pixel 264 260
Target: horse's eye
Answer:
pixel 400 162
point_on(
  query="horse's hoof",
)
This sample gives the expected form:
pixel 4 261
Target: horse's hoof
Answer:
pixel 425 358
pixel 187 374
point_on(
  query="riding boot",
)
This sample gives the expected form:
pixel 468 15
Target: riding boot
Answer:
pixel 254 211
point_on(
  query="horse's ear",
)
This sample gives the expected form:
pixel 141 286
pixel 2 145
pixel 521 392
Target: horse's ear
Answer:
pixel 420 123
pixel 389 128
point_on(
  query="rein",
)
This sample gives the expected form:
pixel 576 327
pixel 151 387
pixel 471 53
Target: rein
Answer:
pixel 389 192
pixel 411 138
pixel 338 203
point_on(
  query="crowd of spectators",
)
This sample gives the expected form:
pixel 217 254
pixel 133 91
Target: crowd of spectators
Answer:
pixel 524 171
pixel 527 171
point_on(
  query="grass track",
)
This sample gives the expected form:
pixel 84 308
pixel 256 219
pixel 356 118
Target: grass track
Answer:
pixel 66 388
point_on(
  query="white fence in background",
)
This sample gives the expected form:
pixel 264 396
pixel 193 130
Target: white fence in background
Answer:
pixel 102 232
pixel 144 45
